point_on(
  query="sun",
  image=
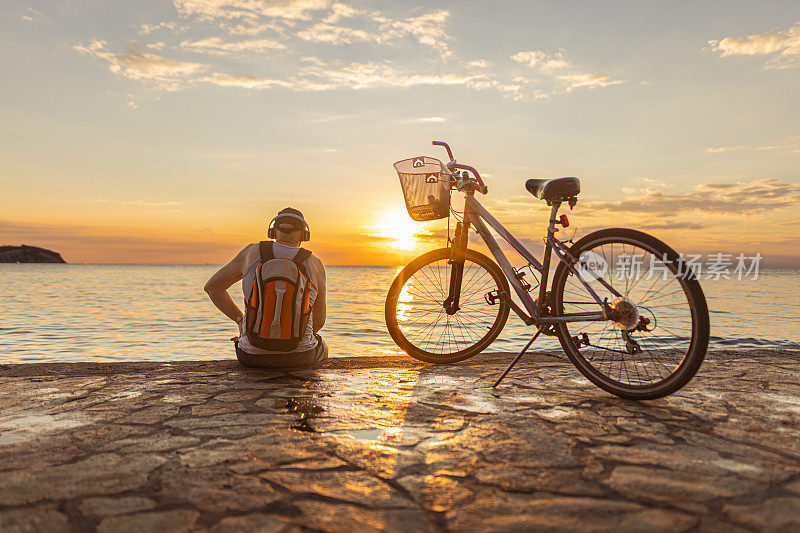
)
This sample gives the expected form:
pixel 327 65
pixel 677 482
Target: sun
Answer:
pixel 399 230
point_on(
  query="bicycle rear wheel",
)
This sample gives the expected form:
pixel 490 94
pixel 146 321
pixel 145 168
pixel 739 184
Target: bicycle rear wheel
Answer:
pixel 415 313
pixel 633 358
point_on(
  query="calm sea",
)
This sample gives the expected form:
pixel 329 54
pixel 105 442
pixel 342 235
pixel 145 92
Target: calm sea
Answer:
pixel 142 312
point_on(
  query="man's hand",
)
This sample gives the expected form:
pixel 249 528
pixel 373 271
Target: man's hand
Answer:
pixel 240 322
pixel 217 288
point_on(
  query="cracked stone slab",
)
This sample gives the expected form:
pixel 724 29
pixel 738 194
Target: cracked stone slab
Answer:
pixel 390 444
pixel 42 518
pixel 255 522
pixel 154 522
pixel 113 506
pixel 98 474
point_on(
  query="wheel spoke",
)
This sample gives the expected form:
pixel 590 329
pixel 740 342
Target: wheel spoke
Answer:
pixel 425 325
pixel 650 356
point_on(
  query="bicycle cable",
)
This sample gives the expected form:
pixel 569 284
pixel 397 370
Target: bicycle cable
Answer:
pixel 607 349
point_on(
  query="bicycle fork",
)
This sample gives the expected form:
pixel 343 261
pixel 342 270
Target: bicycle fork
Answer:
pixel 457 255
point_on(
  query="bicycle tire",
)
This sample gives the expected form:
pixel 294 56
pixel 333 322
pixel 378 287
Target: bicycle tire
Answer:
pixel 697 346
pixel 475 344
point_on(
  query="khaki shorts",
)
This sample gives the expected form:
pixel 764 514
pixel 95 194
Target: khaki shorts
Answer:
pixel 308 359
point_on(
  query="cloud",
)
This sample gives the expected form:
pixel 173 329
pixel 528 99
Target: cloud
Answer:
pixel 251 17
pixel 530 59
pixel 427 29
pixel 592 81
pixel 674 225
pixel 426 120
pixel 143 203
pixel 31 14
pixel 291 10
pixel 135 64
pixel 539 59
pixel 724 198
pixel 241 82
pixel 558 68
pixel 720 149
pixel 151 203
pixel 323 76
pixel 301 24
pixel 333 34
pixel 256 28
pixel 319 76
pixel 218 46
pixel 147 28
pixel 340 11
pixel 512 91
pixel 784 45
pixel 116 245
pixel 655 183
pixel 313 75
pixel 477 63
pixel 651 186
pixel 790 144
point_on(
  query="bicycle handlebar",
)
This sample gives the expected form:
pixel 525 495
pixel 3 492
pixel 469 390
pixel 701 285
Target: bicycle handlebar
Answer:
pixel 452 164
pixel 482 187
pixel 447 147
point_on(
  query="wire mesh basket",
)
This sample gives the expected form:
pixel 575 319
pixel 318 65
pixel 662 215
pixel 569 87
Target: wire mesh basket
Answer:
pixel 426 187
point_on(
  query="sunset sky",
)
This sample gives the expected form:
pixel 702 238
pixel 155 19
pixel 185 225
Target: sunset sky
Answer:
pixel 171 132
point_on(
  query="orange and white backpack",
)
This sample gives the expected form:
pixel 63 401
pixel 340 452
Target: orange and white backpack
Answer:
pixel 279 304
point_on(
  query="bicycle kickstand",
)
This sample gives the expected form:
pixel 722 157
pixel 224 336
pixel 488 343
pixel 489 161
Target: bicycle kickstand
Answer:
pixel 519 356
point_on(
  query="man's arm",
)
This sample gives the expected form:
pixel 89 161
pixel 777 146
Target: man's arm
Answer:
pixel 320 304
pixel 217 287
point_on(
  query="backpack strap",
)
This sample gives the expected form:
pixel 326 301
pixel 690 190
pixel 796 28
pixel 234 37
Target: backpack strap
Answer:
pixel 266 251
pixel 300 258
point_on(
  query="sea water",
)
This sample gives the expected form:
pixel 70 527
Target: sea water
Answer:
pixel 75 312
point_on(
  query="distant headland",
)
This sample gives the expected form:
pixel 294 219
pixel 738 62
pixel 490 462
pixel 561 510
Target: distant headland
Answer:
pixel 28 254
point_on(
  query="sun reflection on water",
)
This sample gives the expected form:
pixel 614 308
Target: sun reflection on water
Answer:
pixel 404 303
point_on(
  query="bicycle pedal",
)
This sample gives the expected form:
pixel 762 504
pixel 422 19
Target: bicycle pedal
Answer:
pixel 492 297
pixel 582 340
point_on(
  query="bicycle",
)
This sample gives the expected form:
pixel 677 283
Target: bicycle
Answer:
pixel 451 303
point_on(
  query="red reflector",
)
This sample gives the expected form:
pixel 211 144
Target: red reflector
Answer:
pixel 564 221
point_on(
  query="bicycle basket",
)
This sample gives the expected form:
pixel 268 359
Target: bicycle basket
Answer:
pixel 426 187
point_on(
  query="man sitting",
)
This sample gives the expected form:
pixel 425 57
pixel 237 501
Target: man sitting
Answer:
pixel 282 317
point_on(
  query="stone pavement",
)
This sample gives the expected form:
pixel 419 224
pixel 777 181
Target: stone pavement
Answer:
pixel 388 444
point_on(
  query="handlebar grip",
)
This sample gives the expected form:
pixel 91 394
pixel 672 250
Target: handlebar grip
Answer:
pixel 481 186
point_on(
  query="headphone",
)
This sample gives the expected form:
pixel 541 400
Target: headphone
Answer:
pixel 271 227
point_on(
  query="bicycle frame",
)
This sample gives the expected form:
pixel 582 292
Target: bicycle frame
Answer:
pixel 662 364
pixel 476 215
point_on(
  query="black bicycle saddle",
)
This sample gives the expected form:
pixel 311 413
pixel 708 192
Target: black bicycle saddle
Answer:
pixel 554 190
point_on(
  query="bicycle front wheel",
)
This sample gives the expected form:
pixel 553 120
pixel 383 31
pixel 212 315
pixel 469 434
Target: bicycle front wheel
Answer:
pixel 416 316
pixel 659 334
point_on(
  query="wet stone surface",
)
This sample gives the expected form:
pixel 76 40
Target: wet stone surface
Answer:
pixel 389 444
